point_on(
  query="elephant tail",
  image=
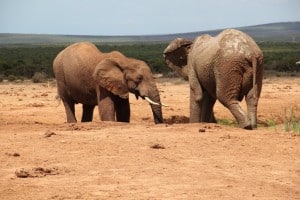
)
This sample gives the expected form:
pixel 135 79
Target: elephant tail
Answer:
pixel 254 68
pixel 57 99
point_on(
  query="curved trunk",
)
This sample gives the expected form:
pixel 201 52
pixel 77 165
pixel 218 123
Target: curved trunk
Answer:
pixel 156 109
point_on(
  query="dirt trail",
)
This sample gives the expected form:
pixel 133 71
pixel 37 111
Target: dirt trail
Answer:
pixel 42 157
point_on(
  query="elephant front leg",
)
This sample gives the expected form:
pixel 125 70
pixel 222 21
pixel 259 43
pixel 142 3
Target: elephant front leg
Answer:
pixel 196 98
pixel 87 114
pixel 195 104
pixel 106 105
pixel 122 109
pixel 195 108
pixel 207 114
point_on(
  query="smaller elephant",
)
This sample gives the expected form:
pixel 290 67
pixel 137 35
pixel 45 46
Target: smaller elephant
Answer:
pixel 86 75
pixel 227 67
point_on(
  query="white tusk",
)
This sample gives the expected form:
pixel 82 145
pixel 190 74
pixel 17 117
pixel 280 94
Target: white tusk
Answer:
pixel 164 105
pixel 151 102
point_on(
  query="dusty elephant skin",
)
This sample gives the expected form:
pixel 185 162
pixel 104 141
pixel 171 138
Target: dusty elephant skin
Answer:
pixel 227 67
pixel 86 75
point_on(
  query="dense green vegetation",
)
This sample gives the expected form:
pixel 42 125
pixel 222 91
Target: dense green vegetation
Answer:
pixel 23 61
pixel 281 56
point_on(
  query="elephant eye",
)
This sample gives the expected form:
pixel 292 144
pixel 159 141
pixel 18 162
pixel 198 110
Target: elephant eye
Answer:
pixel 139 78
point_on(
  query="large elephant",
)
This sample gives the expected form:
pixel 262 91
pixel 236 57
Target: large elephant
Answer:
pixel 227 67
pixel 86 75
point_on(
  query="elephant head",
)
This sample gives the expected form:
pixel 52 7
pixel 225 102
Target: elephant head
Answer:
pixel 121 75
pixel 176 55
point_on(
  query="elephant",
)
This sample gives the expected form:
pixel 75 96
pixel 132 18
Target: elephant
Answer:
pixel 86 75
pixel 227 68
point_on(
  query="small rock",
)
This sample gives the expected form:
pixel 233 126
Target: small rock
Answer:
pixel 157 146
pixel 49 133
pixel 44 94
pixel 202 130
pixel 13 154
pixel 21 173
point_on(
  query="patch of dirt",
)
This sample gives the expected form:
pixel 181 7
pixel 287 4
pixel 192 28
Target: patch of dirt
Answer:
pixel 43 157
pixel 177 119
pixel 36 172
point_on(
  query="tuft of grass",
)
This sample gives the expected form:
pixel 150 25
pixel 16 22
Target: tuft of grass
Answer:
pixel 291 123
pixel 271 123
pixel 227 122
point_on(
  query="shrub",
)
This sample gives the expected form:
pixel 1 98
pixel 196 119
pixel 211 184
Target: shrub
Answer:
pixel 11 78
pixel 1 78
pixel 291 123
pixel 39 77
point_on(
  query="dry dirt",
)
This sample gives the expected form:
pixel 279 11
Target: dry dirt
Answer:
pixel 43 157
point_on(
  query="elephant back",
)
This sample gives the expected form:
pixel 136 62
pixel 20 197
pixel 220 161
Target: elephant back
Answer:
pixel 235 43
pixel 204 51
pixel 75 66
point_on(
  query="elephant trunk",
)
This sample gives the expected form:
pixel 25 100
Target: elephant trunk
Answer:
pixel 182 71
pixel 156 109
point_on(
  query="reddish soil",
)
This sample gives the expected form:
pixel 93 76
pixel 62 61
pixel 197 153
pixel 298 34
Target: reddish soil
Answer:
pixel 43 157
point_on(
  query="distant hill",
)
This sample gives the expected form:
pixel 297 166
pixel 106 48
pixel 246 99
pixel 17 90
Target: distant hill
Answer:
pixel 274 32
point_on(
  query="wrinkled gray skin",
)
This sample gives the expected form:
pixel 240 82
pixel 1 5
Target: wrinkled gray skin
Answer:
pixel 85 75
pixel 227 67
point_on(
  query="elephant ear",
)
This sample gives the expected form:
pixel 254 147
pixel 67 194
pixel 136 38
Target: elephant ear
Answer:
pixel 109 75
pixel 176 55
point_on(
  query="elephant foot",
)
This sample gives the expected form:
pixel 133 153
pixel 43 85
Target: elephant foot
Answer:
pixel 248 127
pixel 240 116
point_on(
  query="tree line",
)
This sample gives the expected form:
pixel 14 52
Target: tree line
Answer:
pixel 23 61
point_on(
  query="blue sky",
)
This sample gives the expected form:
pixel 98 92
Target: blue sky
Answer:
pixel 139 17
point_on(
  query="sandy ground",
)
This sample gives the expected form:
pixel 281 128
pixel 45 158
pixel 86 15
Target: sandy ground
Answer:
pixel 43 157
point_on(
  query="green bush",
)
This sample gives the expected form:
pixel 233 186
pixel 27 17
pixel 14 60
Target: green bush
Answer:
pixel 11 78
pixel 39 77
pixel 25 60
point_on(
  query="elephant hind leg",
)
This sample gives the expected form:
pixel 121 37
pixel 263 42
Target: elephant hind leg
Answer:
pixel 252 101
pixel 239 115
pixel 228 92
pixel 87 113
pixel 70 110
